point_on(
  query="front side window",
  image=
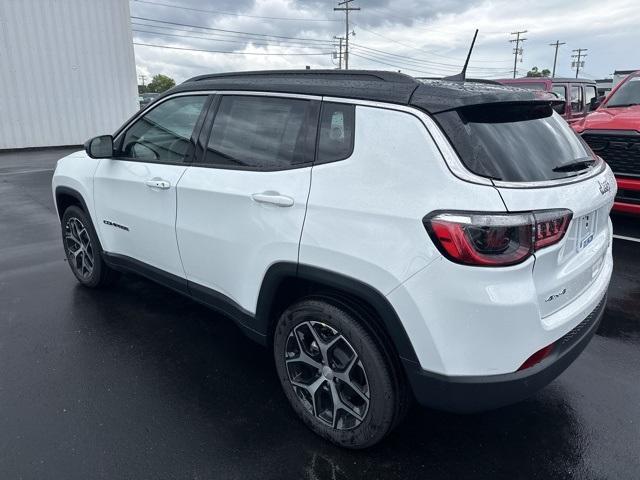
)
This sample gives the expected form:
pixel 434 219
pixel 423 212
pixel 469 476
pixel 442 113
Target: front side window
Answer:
pixel 337 125
pixel 164 134
pixel 262 133
pixel 576 99
pixel 627 95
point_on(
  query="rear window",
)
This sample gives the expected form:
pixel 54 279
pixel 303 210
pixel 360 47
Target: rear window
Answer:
pixel 514 143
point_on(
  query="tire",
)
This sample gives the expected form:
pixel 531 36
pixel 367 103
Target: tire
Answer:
pixel 321 345
pixel 83 250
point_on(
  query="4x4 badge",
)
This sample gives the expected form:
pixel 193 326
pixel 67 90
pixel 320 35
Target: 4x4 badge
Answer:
pixel 604 186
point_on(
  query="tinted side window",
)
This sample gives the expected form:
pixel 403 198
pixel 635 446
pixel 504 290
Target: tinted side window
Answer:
pixel 589 94
pixel 264 133
pixel 576 99
pixel 337 128
pixel 163 134
pixel 562 91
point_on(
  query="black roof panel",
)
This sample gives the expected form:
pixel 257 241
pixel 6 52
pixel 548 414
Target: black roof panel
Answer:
pixel 379 86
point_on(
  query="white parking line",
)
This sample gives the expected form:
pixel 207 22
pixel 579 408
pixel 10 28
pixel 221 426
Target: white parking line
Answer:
pixel 631 239
pixel 21 172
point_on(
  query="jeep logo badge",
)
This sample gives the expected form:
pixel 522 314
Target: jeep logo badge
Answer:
pixel 604 186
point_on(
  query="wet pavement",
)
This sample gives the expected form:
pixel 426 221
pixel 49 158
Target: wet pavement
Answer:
pixel 138 382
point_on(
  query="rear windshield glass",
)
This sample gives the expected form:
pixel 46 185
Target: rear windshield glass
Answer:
pixel 515 143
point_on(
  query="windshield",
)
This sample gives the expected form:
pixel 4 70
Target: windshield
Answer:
pixel 627 94
pixel 516 143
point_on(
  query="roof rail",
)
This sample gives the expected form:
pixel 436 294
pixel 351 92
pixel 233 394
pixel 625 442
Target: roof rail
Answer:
pixel 368 75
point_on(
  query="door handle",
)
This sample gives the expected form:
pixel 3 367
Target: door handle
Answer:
pixel 273 198
pixel 158 183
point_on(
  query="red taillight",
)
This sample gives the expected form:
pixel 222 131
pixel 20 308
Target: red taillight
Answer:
pixel 537 357
pixel 551 225
pixel 496 239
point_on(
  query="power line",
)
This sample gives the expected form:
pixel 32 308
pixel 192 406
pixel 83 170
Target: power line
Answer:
pixel 232 31
pixel 227 52
pixel 422 49
pixel 411 68
pixel 517 50
pixel 389 64
pixel 394 62
pixel 234 36
pixel 442 66
pixel 346 9
pixel 218 12
pixel 577 63
pixel 555 57
pixel 245 42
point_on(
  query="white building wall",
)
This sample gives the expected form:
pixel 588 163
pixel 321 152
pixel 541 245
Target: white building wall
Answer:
pixel 67 71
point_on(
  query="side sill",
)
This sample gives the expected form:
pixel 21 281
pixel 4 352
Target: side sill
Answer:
pixel 206 296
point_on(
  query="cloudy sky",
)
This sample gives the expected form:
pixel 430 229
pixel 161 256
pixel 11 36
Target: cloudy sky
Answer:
pixel 183 38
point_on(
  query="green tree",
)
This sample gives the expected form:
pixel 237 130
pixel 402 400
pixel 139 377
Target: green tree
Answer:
pixel 160 83
pixel 534 72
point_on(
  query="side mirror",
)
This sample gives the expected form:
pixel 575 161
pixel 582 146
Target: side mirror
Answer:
pixel 99 147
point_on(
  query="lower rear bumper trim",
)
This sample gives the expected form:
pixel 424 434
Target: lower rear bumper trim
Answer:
pixel 469 394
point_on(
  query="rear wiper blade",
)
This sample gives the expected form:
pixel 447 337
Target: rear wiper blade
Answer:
pixel 575 166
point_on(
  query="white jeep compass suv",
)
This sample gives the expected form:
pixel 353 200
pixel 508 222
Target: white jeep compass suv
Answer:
pixel 388 238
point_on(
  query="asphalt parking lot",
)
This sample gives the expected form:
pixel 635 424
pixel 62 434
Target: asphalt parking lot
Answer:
pixel 139 382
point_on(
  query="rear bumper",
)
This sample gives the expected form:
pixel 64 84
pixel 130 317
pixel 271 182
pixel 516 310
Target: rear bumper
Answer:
pixel 468 394
pixel 628 197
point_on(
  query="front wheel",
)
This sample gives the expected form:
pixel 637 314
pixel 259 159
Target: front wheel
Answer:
pixel 335 375
pixel 83 251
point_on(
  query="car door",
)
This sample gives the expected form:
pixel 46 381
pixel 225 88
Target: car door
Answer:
pixel 135 191
pixel 241 205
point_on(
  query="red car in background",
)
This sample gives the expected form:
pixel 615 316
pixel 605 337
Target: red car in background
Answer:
pixel 579 94
pixel 613 132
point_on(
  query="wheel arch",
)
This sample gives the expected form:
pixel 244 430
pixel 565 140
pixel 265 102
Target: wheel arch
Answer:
pixel 286 282
pixel 66 197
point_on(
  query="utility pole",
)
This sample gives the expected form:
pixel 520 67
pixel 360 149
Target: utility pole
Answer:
pixel 518 50
pixel 555 57
pixel 577 63
pixel 142 78
pixel 346 9
pixel 340 39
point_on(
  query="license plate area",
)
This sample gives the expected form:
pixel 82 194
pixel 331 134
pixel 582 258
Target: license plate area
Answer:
pixel 586 230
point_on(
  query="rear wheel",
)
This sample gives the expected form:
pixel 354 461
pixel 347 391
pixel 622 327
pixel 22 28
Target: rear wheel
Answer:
pixel 335 375
pixel 82 247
